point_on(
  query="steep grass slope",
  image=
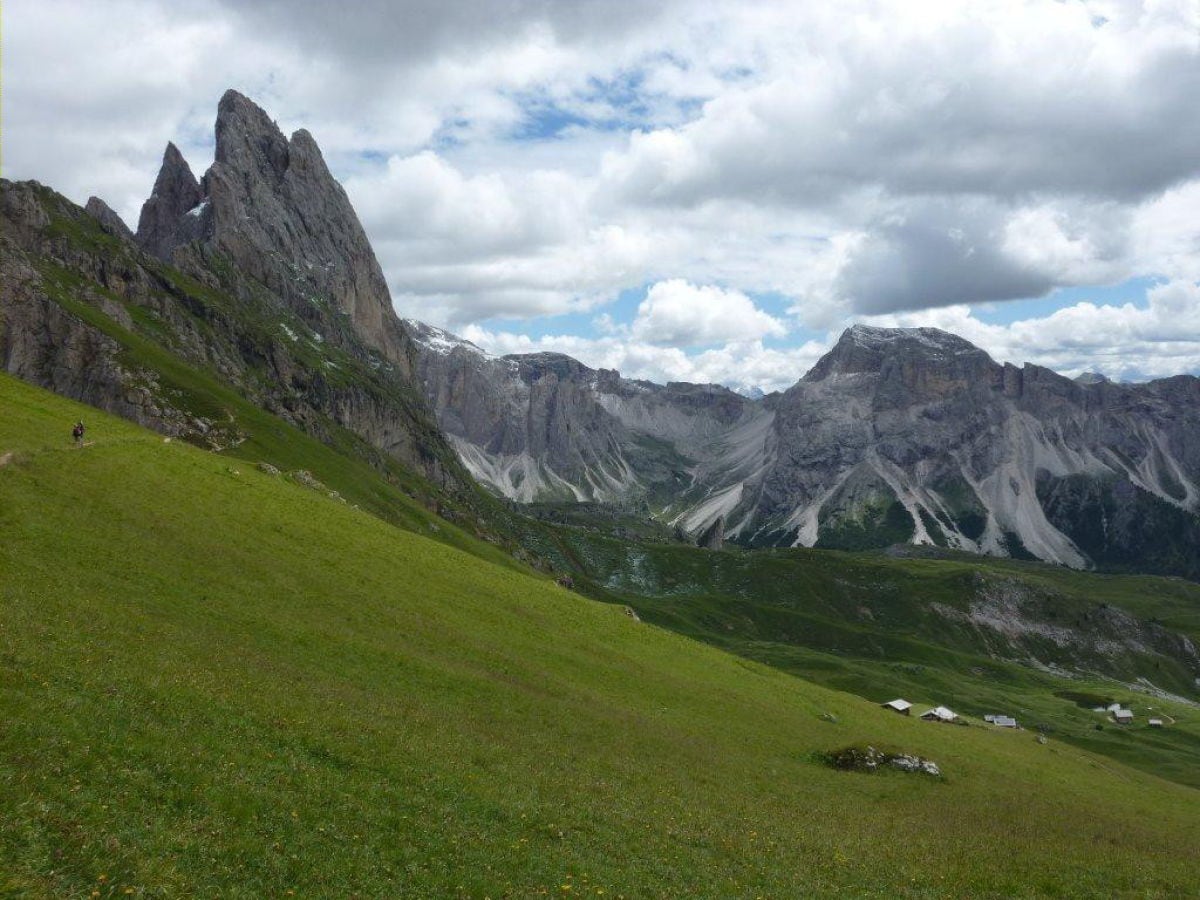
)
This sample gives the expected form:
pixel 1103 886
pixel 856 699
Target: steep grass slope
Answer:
pixel 223 363
pixel 217 682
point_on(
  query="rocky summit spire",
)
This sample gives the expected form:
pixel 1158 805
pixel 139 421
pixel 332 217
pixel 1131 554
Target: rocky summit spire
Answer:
pixel 108 219
pixel 248 140
pixel 270 207
pixel 281 217
pixel 163 225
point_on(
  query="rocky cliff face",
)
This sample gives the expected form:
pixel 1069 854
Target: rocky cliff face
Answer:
pixel 896 435
pixel 259 273
pixel 918 435
pixel 546 427
pixel 268 214
pixel 67 278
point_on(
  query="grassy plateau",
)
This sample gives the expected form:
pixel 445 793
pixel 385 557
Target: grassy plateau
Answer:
pixel 219 682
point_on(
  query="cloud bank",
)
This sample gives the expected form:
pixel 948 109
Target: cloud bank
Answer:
pixel 885 160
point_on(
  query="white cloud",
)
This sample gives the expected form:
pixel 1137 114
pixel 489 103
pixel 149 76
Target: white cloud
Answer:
pixel 984 98
pixel 687 315
pixel 1165 234
pixel 857 158
pixel 458 248
pixel 1129 341
pixel 424 199
pixel 1070 243
pixel 742 366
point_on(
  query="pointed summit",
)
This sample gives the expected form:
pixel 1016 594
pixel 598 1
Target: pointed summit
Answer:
pixel 247 138
pixel 270 208
pixel 161 226
pixel 281 217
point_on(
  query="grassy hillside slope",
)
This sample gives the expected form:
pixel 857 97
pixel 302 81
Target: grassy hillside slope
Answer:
pixel 388 488
pixel 224 363
pixel 883 627
pixel 217 682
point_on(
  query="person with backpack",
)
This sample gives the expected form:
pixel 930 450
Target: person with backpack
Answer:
pixel 77 433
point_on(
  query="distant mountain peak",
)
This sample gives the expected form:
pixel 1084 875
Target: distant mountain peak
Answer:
pixel 863 348
pixel 1092 378
pixel 441 341
pixel 933 338
pixel 533 366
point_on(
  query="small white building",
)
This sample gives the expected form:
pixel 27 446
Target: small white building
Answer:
pixel 1004 721
pixel 901 706
pixel 1156 723
pixel 1123 716
pixel 939 714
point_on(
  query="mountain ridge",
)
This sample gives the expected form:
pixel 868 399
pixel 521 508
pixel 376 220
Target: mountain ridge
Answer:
pixel 893 436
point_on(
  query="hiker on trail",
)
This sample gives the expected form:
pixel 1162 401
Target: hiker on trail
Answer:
pixel 77 433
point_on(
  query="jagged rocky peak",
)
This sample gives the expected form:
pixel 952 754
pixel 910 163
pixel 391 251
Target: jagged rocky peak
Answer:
pixel 864 348
pixel 164 223
pixel 248 139
pixel 108 219
pixel 269 208
pixel 1087 378
pixel 280 216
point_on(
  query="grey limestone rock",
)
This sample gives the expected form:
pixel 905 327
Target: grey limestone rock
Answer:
pixel 169 217
pixel 280 217
pixel 270 211
pixel 219 319
pixel 895 436
pixel 543 426
pixel 108 219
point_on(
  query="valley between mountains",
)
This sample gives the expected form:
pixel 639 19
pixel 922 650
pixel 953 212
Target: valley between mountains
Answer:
pixel 338 603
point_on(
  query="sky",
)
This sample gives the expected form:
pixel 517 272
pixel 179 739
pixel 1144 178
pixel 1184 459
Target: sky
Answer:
pixel 696 191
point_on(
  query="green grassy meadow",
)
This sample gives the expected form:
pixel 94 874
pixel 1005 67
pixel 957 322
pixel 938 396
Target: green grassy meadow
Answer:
pixel 217 682
pixel 865 624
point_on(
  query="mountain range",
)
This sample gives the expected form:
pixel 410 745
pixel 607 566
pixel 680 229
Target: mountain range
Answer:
pixel 261 272
pixel 894 436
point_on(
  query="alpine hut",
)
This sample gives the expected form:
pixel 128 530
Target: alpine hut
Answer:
pixel 939 714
